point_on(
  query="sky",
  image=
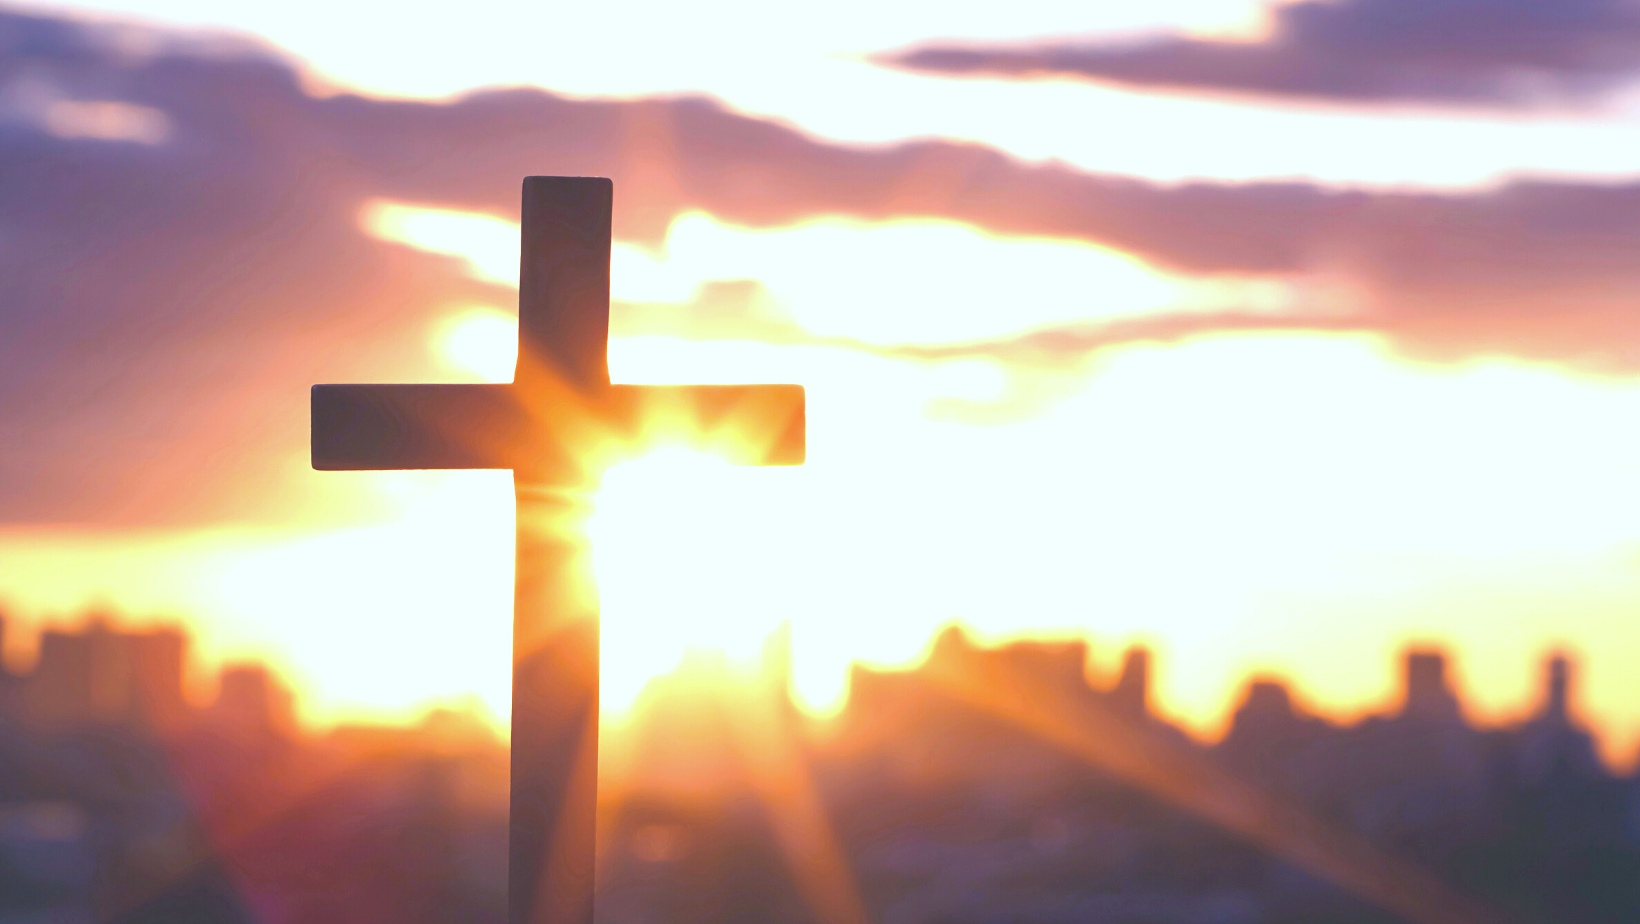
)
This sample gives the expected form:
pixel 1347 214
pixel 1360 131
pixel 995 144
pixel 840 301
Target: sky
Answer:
pixel 1277 338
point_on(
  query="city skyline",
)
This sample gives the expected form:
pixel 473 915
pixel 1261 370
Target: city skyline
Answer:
pixel 929 793
pixel 151 673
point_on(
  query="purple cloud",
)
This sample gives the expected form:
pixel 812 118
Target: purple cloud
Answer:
pixel 1453 52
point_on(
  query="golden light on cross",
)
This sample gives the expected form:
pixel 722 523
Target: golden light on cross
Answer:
pixel 557 425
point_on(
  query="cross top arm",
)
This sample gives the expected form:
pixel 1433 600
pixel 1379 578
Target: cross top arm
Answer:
pixel 561 419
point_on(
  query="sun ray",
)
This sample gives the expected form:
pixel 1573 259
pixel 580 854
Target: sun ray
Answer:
pixel 1090 731
pixel 764 726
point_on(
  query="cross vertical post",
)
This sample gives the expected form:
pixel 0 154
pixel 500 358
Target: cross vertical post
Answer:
pixel 563 327
pixel 554 425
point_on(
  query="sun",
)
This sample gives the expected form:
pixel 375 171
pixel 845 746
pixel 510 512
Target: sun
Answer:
pixel 687 550
pixel 479 340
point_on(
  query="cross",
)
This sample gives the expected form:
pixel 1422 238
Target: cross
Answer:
pixel 555 425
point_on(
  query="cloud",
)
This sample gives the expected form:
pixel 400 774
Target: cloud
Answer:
pixel 1455 52
pixel 181 256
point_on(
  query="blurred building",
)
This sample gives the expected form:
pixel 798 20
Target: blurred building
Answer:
pixel 1552 743
pixel 1131 694
pixel 1426 693
pixel 108 676
pixel 119 802
pixel 249 697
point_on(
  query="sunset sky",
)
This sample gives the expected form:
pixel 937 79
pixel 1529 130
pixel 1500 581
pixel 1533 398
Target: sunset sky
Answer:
pixel 1278 338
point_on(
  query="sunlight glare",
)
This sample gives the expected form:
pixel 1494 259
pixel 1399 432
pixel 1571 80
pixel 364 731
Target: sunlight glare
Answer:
pixel 684 546
pixel 481 340
pixel 1295 504
pixel 970 379
pixel 388 620
pixel 488 244
pixel 912 281
pixel 889 282
pixel 637 275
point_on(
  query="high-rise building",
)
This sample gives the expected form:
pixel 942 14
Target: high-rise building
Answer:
pixel 1557 685
pixel 1552 742
pixel 8 680
pixel 1427 694
pixel 1062 666
pixel 59 689
pixel 1131 695
pixel 156 660
pixel 249 697
pixel 1267 731
pixel 102 675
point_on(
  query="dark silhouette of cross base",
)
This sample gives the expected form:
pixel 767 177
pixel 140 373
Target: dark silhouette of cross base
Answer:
pixel 556 425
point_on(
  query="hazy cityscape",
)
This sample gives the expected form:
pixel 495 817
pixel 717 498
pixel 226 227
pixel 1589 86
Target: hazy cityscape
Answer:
pixel 1275 333
pixel 122 801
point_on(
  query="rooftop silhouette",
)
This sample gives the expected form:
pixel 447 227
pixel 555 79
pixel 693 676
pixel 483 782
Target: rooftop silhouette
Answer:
pixel 123 800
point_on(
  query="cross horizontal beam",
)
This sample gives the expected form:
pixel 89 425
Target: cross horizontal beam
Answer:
pixel 381 427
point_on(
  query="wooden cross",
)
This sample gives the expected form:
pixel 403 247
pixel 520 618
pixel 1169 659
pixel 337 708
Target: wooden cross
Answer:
pixel 556 425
